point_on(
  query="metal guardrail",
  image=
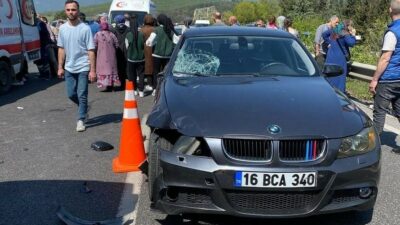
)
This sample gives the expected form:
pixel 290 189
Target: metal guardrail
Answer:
pixel 362 71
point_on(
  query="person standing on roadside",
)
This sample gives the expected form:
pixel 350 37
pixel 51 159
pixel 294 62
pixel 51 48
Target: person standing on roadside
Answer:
pixel 51 49
pixel 272 23
pixel 320 47
pixel 135 53
pixel 76 48
pixel 147 29
pixel 217 17
pixel 287 26
pixel 385 84
pixel 163 39
pixel 339 40
pixel 260 23
pixel 233 21
pixel 120 32
pixel 106 67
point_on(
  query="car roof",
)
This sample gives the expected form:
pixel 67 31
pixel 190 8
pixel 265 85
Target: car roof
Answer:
pixel 236 30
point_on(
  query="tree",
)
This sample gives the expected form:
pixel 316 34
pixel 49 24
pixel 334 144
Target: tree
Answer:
pixel 60 15
pixel 245 12
pixel 272 7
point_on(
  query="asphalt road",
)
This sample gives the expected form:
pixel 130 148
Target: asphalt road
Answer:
pixel 45 164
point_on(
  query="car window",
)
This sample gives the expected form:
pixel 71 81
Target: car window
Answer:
pixel 242 55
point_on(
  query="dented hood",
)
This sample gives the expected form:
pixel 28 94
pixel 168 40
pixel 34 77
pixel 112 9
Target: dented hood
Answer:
pixel 225 106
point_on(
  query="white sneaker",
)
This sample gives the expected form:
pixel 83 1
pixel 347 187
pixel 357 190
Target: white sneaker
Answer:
pixel 80 126
pixel 141 94
pixel 136 93
pixel 154 93
pixel 148 88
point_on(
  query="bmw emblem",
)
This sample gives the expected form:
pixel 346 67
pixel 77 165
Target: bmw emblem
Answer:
pixel 274 129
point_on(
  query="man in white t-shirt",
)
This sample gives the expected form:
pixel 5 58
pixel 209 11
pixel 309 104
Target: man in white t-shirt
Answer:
pixel 76 49
pixel 385 84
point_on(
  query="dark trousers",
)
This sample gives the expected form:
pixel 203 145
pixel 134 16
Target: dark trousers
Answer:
pixel 158 66
pixel 320 61
pixel 386 94
pixel 136 69
pixel 121 67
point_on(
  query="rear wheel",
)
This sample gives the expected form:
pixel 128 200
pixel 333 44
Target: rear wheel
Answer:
pixel 157 142
pixel 6 75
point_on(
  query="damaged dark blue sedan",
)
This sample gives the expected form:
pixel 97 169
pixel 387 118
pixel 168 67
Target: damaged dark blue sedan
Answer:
pixel 245 124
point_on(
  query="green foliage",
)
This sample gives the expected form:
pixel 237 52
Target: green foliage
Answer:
pixel 307 25
pixel 296 8
pixel 60 15
pixel 248 12
pixel 358 89
pixel 245 12
pixel 272 8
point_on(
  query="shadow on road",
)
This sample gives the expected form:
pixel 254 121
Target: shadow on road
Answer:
pixel 30 87
pixel 353 218
pixel 389 139
pixel 36 202
pixel 104 119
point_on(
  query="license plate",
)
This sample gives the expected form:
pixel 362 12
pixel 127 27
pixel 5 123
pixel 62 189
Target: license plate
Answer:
pixel 275 180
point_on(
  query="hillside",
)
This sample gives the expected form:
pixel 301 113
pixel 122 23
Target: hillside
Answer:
pixel 176 9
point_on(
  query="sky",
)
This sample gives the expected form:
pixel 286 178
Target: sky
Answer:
pixel 56 5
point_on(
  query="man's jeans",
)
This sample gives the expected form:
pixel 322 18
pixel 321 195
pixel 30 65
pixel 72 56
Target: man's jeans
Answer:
pixel 77 91
pixel 386 94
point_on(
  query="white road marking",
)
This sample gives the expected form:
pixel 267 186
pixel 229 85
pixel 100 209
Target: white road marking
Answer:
pixel 392 129
pixel 129 203
pixel 130 198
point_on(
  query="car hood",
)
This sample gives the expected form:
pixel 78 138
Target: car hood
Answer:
pixel 226 106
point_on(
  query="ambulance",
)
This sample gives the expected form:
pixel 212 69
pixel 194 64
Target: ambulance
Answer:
pixel 138 7
pixel 19 39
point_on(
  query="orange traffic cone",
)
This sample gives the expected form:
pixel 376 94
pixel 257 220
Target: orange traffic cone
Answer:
pixel 131 154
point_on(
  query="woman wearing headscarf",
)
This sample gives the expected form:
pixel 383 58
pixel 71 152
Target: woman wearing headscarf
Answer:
pixel 147 29
pixel 106 66
pixel 339 40
pixel 135 53
pixel 120 32
pixel 163 39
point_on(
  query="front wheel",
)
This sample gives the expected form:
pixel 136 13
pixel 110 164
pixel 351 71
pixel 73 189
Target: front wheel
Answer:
pixel 157 142
pixel 6 75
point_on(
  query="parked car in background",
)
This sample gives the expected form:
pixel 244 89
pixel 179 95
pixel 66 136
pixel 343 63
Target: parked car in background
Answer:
pixel 245 124
pixel 201 23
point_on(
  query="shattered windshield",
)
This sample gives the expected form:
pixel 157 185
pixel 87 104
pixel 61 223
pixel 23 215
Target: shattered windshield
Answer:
pixel 242 55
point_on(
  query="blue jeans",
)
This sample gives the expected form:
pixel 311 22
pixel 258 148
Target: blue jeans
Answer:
pixel 77 91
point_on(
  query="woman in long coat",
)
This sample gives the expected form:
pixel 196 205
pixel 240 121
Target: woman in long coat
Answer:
pixel 106 67
pixel 147 29
pixel 339 39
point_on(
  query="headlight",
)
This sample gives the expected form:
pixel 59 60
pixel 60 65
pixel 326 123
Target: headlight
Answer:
pixel 363 142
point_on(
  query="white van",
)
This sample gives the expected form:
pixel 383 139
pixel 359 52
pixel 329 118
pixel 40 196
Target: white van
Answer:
pixel 19 39
pixel 138 7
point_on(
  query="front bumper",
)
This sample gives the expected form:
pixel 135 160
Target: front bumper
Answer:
pixel 193 184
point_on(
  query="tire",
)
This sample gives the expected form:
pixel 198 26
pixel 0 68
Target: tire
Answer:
pixel 156 143
pixel 6 76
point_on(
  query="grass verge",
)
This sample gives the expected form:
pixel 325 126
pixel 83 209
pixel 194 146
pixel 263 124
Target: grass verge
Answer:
pixel 358 89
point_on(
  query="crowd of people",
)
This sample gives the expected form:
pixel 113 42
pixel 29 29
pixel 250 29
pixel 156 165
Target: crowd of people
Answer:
pixel 137 52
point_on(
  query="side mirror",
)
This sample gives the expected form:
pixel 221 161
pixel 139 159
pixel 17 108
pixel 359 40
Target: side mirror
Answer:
pixel 332 70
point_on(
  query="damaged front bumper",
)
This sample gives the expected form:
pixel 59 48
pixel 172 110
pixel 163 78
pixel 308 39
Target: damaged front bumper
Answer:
pixel 197 184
